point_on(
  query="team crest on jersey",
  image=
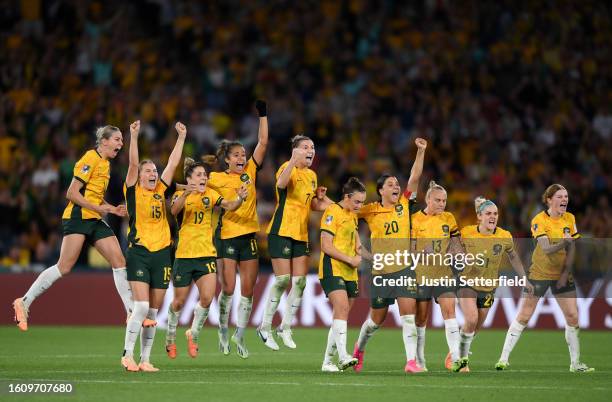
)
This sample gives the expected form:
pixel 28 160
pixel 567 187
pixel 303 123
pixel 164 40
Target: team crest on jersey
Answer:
pixel 566 230
pixel 245 178
pixel 157 196
pixel 497 249
pixel 85 168
pixel 286 250
pixel 206 201
pixel 139 273
pixel 230 250
pixel 399 208
pixel 329 220
pixel 445 230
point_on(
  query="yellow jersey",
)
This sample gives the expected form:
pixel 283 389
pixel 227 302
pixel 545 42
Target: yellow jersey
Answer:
pixel 549 266
pixel 433 232
pixel 292 211
pixel 94 172
pixel 195 234
pixel 342 225
pixel 148 225
pixel 389 229
pixel 243 220
pixel 492 248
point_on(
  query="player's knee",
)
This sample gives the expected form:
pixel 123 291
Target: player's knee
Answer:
pixel 299 282
pixel 282 281
pixel 572 319
pixel 119 261
pixel 246 291
pixel 178 304
pixel 205 300
pixel 64 268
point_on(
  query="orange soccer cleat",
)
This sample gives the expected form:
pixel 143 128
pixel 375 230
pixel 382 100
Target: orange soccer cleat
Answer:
pixel 171 350
pixel 147 367
pixel 21 314
pixel 129 364
pixel 192 347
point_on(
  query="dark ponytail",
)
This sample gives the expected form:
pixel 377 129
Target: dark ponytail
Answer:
pixel 222 153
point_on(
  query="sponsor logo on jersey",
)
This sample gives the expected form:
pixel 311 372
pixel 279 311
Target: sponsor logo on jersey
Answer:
pixel 497 249
pixel 535 226
pixel 157 196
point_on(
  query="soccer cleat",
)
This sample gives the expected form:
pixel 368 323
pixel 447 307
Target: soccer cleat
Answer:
pixel 241 348
pixel 224 345
pixel 171 350
pixel 412 367
pixel 448 362
pixel 502 365
pixel 285 335
pixel 457 365
pixel 330 368
pixel 580 368
pixel 267 338
pixel 129 364
pixel 192 346
pixel 147 323
pixel 347 362
pixel 358 354
pixel 147 367
pixel 21 314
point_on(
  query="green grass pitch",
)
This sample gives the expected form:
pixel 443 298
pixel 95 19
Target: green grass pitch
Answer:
pixel 88 357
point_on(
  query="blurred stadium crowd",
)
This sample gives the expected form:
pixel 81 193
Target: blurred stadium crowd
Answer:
pixel 511 96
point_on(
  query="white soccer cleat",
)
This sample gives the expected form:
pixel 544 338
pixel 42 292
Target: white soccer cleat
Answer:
pixel 267 338
pixel 347 362
pixel 241 348
pixel 224 345
pixel 329 368
pixel 581 368
pixel 285 335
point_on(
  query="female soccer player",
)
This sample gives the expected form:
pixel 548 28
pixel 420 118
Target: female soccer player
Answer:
pixel 555 231
pixel 435 234
pixel 490 242
pixel 196 255
pixel 389 223
pixel 340 258
pixel 82 220
pixel 235 236
pixel 149 263
pixel 296 195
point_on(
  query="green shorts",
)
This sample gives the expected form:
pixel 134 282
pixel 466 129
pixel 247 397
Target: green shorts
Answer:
pixel 541 286
pixel 331 283
pixel 286 247
pixel 384 294
pixel 241 248
pixel 425 293
pixel 93 229
pixel 483 299
pixel 154 268
pixel 186 270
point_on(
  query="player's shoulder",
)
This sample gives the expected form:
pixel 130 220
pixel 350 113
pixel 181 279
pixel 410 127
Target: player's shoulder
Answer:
pixel 469 230
pixel 333 208
pixel 447 216
pixel 91 156
pixel 503 233
pixel 569 217
pixel 177 194
pixel 369 208
pixel 540 217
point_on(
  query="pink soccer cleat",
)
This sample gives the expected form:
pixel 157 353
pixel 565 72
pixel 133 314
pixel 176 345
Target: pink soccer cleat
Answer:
pixel 358 354
pixel 412 367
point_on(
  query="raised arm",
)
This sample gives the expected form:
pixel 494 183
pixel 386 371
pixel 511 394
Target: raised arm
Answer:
pixel 327 246
pixel 132 174
pixel 320 202
pixel 262 135
pixel 297 155
pixel 417 168
pixel 175 156
pixel 241 193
